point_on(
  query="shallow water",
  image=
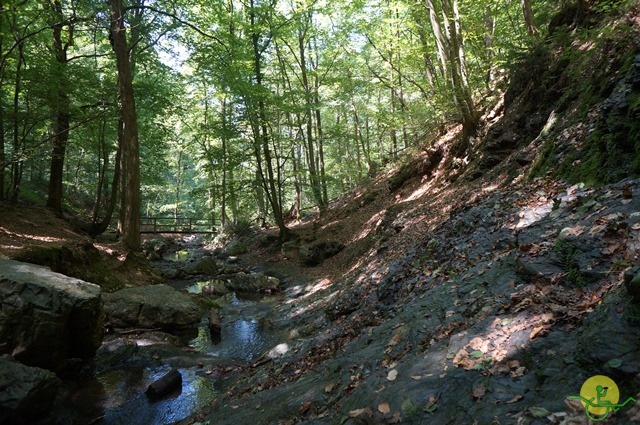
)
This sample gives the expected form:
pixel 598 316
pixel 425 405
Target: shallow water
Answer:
pixel 246 331
pixel 117 396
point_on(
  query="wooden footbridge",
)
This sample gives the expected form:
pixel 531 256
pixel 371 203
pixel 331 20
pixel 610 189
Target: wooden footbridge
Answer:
pixel 184 225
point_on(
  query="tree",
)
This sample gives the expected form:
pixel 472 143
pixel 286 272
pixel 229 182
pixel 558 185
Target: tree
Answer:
pixel 128 136
pixel 448 37
pixel 61 103
pixel 527 12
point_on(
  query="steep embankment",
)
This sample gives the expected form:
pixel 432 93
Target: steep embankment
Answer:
pixel 475 292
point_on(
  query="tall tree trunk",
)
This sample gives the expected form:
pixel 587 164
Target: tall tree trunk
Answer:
pixel 131 159
pixel 316 187
pixel 16 165
pixel 225 132
pixel 527 12
pixel 61 113
pixel 451 53
pixel 3 156
pixel 262 133
pixel 98 227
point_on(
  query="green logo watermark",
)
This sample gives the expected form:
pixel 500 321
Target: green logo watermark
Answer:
pixel 599 396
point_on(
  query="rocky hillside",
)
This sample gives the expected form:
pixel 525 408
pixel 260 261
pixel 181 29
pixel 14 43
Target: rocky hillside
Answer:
pixel 483 289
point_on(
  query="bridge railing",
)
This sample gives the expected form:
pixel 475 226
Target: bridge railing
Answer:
pixel 176 225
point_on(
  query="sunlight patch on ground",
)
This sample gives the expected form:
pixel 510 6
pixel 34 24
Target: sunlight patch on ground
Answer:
pixel 32 237
pixel 11 247
pixel 311 305
pixel 105 249
pixel 426 187
pixel 503 339
pixel 311 289
pixel 490 188
pixel 530 215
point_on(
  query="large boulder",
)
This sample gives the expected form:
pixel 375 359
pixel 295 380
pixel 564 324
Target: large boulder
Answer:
pixel 46 317
pixel 252 282
pixel 27 392
pixel 317 253
pixel 234 248
pixel 204 265
pixel 156 306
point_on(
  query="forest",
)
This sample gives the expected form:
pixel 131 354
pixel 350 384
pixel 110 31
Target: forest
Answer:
pixel 416 212
pixel 238 111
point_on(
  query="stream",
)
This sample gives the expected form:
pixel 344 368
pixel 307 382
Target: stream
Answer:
pixel 113 391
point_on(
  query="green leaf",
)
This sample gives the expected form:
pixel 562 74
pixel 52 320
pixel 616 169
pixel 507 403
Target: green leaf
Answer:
pixel 614 363
pixel 476 354
pixel 538 412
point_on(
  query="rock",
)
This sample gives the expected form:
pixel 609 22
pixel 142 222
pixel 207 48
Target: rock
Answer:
pixel 216 288
pixel 234 248
pixel 632 283
pixel 214 323
pixel 153 256
pixel 159 246
pixel 317 253
pixel 46 317
pixel 27 392
pixel 538 269
pixel 204 265
pixel 170 382
pixel 254 282
pixel 157 306
pixel 290 249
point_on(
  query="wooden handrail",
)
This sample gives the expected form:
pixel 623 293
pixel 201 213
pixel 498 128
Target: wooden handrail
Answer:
pixel 176 225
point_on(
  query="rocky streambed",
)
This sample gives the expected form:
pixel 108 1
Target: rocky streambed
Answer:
pixel 77 368
pixel 497 315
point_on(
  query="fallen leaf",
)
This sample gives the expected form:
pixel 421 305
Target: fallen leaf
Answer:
pixel 431 404
pixel 479 391
pixel 518 372
pixel 476 354
pixel 536 331
pixel 532 248
pixel 538 412
pixel 392 375
pixel 614 363
pixel 395 340
pixel 329 388
pixel 416 377
pixel 611 248
pixel 513 364
pixel 515 399
pixel 305 407
pixel 356 413
pixel 384 408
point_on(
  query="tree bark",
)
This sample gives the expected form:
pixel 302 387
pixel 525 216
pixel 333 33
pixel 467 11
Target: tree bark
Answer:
pixel 130 206
pixel 3 157
pixel 261 132
pixel 527 12
pixel 61 113
pixel 16 164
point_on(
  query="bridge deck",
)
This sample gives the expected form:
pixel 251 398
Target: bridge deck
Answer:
pixel 184 225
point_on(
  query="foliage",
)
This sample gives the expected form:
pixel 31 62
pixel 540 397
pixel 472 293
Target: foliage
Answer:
pixel 249 109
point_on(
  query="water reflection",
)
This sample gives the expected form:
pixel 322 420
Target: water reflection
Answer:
pixel 117 398
pixel 242 337
pixel 181 255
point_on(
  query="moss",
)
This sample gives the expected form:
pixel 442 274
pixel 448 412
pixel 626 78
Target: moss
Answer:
pixel 567 251
pixel 632 313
